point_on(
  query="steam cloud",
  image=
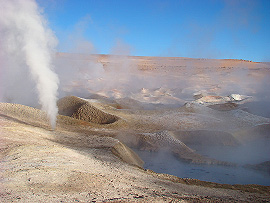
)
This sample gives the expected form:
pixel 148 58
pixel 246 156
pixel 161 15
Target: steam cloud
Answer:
pixel 26 47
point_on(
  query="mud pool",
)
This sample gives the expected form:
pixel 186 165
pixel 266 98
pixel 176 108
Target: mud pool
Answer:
pixel 250 153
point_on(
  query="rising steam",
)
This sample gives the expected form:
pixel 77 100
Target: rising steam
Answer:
pixel 26 46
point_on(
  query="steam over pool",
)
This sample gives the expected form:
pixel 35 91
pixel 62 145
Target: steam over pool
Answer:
pixel 164 162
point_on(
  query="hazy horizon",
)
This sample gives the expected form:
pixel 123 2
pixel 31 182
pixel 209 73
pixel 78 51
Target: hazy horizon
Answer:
pixel 59 52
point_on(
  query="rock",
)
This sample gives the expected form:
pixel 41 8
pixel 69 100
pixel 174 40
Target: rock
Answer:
pixel 238 97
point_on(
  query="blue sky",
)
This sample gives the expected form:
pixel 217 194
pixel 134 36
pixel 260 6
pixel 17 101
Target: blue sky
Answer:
pixel 186 28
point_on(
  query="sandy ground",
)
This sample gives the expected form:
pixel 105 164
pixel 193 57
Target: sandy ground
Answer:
pixel 86 158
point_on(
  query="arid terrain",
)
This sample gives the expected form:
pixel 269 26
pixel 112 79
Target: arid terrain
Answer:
pixel 111 106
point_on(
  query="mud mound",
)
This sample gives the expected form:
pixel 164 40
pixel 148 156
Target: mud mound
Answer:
pixel 254 133
pixel 207 138
pixel 166 141
pixel 127 155
pixel 162 139
pixel 38 118
pixel 212 99
pixel 68 105
pixel 264 166
pixel 128 103
pixel 224 107
pixel 83 110
pixel 224 101
pixel 89 113
pixel 24 114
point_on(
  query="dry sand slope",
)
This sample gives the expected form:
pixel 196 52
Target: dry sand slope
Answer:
pixel 88 157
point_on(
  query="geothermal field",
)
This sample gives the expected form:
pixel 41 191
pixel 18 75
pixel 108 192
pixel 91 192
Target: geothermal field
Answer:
pixel 140 129
pixel 89 127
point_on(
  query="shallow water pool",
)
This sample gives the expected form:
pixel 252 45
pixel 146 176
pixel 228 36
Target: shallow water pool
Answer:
pixel 165 162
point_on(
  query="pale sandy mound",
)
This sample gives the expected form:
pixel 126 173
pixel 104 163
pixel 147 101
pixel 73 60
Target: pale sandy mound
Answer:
pixel 81 109
pixel 206 138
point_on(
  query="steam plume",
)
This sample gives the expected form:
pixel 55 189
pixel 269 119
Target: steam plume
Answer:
pixel 27 44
